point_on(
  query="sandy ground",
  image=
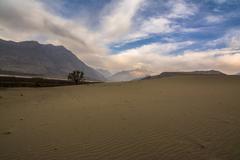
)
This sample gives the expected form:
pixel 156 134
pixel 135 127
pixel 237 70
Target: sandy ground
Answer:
pixel 195 118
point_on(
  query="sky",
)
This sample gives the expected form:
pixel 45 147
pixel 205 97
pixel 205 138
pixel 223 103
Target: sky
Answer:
pixel 154 35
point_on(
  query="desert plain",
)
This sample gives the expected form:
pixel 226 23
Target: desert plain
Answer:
pixel 173 118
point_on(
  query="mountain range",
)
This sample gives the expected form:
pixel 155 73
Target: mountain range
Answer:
pixel 194 73
pixel 35 59
pixel 31 57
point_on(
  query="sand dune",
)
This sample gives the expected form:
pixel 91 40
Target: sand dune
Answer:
pixel 189 117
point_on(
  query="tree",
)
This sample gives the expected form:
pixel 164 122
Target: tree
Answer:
pixel 76 76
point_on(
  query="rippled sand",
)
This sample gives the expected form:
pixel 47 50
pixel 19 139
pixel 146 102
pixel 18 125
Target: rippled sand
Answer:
pixel 195 118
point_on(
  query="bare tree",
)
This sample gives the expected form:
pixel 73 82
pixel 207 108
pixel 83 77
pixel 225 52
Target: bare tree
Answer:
pixel 76 76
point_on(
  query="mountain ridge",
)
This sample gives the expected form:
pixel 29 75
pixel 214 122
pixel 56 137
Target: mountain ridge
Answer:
pixel 172 74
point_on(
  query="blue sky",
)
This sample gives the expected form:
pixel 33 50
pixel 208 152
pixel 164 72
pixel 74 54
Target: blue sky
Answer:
pixel 156 35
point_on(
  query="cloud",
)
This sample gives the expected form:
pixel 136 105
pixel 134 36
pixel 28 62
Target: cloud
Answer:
pixel 118 19
pixel 151 58
pixel 143 56
pixel 164 23
pixel 181 9
pixel 156 25
pixel 230 40
pixel 214 19
pixel 116 23
pixel 122 22
pixel 31 18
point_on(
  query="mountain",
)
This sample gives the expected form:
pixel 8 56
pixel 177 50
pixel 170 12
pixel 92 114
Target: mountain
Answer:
pixel 31 57
pixel 238 74
pixel 129 75
pixel 105 73
pixel 194 73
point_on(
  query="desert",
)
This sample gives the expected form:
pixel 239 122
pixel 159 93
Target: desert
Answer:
pixel 181 117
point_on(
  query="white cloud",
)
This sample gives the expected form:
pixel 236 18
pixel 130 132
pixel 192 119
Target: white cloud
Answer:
pixel 156 25
pixel 214 19
pixel 153 25
pixel 231 40
pixel 181 9
pixel 117 22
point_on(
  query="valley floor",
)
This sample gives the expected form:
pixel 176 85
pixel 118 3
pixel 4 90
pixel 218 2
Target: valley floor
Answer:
pixel 189 117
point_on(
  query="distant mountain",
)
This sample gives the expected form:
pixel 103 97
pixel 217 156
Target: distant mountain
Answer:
pixel 105 73
pixel 30 57
pixel 172 74
pixel 129 75
pixel 238 74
